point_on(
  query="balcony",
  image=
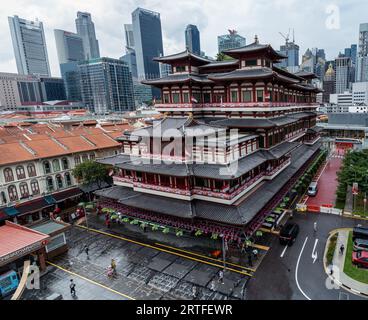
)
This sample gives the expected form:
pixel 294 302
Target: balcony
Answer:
pixel 226 195
pixel 231 105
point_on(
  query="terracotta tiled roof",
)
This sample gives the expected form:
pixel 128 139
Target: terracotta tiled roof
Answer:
pixel 14 152
pixel 14 238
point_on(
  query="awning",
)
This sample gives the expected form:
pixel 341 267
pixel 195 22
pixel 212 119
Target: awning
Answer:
pixel 11 211
pixel 50 199
pixel 33 206
pixel 67 194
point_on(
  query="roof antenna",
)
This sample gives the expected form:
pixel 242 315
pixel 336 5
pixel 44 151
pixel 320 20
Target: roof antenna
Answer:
pixel 256 41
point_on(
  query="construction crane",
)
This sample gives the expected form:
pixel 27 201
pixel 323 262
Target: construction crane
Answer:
pixel 287 37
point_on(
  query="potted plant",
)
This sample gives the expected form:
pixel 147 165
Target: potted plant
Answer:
pixel 179 233
pixel 166 230
pixel 198 233
pixel 155 227
pixel 214 236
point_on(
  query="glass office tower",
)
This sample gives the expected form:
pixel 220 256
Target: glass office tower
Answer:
pixel 29 45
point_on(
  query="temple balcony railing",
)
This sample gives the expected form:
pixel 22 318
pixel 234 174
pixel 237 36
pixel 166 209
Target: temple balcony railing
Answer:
pixel 233 105
pixel 227 193
pixel 296 135
pixel 312 141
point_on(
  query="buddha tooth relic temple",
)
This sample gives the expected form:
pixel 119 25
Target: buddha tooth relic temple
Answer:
pixel 235 137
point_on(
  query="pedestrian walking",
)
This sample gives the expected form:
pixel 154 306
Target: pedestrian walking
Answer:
pixel 113 266
pixel 221 277
pixel 250 262
pixel 255 253
pixel 315 226
pixel 86 250
pixel 72 288
pixel 194 292
pixel 342 248
pixel 212 285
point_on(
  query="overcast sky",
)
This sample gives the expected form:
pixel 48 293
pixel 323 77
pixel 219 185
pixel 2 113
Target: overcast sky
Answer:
pixel 317 23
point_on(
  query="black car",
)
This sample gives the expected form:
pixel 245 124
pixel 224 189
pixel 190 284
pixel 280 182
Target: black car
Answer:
pixel 360 233
pixel 288 234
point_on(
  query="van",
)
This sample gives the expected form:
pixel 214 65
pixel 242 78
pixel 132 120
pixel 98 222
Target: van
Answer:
pixel 8 283
pixel 360 245
pixel 288 234
pixel 312 189
pixel 360 233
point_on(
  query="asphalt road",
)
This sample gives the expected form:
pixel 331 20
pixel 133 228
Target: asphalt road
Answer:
pixel 297 275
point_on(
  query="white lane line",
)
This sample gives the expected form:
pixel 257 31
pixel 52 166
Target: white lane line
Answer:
pixel 283 252
pixel 314 252
pixel 296 271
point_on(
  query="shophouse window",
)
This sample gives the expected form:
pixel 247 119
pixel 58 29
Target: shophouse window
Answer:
pixel 24 192
pixel 8 175
pixel 31 170
pixel 12 191
pixel 35 187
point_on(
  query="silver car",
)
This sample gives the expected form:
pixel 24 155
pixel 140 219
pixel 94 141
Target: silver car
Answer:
pixel 312 189
pixel 360 245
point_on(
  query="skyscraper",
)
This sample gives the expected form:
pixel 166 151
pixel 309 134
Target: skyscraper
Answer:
pixel 70 51
pixel 129 36
pixel 106 85
pixel 362 56
pixel 69 46
pixel 329 83
pixel 192 39
pixel 230 41
pixel 29 45
pixel 86 30
pixel 291 51
pixel 147 42
pixel 343 74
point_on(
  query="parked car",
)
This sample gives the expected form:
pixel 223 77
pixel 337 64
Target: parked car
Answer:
pixel 360 258
pixel 360 233
pixel 360 245
pixel 313 189
pixel 288 234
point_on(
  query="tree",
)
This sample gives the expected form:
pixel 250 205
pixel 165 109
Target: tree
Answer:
pixel 354 169
pixel 90 172
pixel 223 57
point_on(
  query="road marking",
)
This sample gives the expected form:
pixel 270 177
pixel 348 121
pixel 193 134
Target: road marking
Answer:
pixel 283 252
pixel 163 250
pixel 296 270
pixel 89 280
pixel 203 256
pixel 314 252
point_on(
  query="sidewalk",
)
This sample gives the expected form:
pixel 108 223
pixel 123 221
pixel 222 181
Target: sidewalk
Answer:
pixel 339 262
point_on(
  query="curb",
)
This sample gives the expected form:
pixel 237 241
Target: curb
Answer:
pixel 341 285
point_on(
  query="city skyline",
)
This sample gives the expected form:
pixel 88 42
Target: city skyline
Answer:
pixel 247 17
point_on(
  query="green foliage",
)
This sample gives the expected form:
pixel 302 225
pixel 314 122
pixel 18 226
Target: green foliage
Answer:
pixel 179 233
pixel 214 236
pixel 354 169
pixel 198 233
pixel 223 57
pixel 125 220
pixel 134 222
pixel 331 248
pixel 154 227
pixel 90 172
pixel 166 230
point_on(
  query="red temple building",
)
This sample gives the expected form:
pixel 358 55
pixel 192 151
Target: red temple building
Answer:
pixel 235 137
